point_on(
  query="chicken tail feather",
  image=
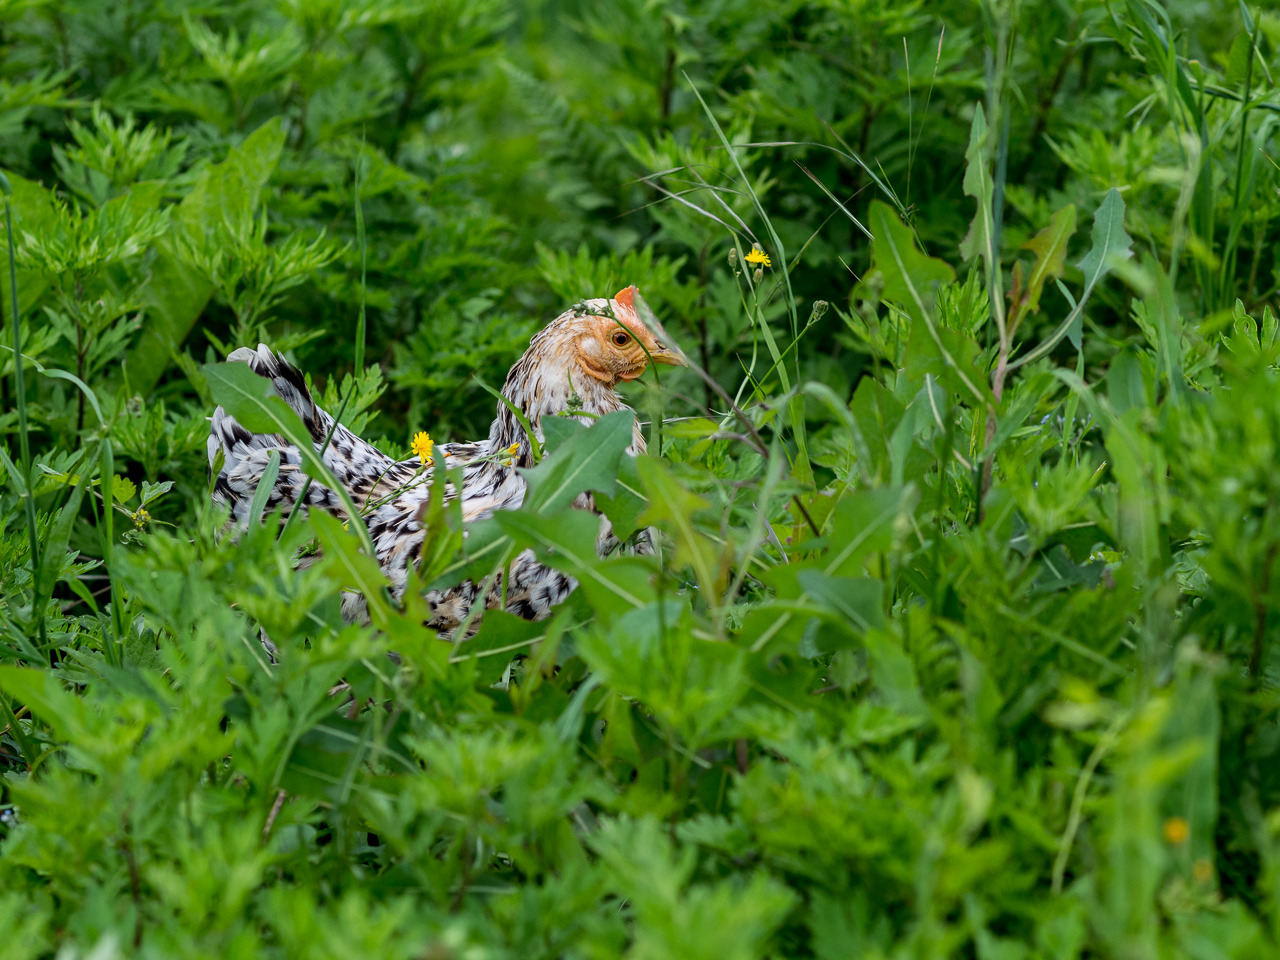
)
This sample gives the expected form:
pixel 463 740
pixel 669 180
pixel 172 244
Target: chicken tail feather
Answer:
pixel 358 465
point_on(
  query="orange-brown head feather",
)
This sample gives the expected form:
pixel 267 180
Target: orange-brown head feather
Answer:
pixel 619 347
pixel 577 360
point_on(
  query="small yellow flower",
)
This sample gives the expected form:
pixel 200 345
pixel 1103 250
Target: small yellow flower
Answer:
pixel 513 449
pixel 1176 831
pixel 422 444
pixel 758 256
pixel 140 517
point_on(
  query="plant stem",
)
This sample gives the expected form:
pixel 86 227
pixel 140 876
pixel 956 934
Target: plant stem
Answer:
pixel 1229 261
pixel 364 248
pixel 24 440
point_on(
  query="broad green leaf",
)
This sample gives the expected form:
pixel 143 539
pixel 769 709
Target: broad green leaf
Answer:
pixel 1110 241
pixel 952 358
pixel 979 240
pixel 632 576
pixel 360 571
pixel 485 547
pixel 567 542
pixel 859 601
pixel 911 278
pixel 556 430
pixel 231 189
pixel 1130 381
pixel 588 460
pixel 1142 471
pixel 177 293
pixel 864 522
pixel 153 491
pixel 1111 244
pixel 1050 248
pixel 44 694
pixel 894 675
pixel 320 757
pixel 672 506
pixel 248 397
pixel 877 412
pixel 624 508
pixel 500 638
pixel 841 409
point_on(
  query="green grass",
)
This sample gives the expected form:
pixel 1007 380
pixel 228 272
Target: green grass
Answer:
pixel 961 636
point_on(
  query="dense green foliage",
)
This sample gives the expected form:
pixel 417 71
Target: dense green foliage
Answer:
pixel 964 636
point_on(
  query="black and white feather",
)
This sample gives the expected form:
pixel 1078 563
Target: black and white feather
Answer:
pixel 576 360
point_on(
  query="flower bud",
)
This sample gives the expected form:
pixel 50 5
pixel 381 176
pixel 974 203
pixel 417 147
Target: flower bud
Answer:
pixel 819 308
pixel 733 256
pixel 758 275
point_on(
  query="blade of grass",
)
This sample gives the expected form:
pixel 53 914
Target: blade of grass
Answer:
pixel 1227 280
pixel 913 147
pixel 364 249
pixel 24 745
pixel 306 486
pixel 832 197
pixel 20 400
pixel 106 480
pixel 266 484
pixel 520 418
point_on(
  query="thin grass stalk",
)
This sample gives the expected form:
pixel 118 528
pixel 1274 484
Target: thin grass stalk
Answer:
pixel 913 147
pixel 306 486
pixel 29 753
pixel 106 483
pixel 997 64
pixel 20 400
pixel 364 251
pixel 1230 255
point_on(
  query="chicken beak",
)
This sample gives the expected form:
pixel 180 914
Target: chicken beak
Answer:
pixel 669 356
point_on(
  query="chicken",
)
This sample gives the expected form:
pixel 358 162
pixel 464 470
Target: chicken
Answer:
pixel 578 358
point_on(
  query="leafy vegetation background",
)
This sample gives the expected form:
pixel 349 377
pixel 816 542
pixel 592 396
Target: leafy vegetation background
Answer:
pixel 963 637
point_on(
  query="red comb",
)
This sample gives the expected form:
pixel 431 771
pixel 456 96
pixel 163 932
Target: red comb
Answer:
pixel 627 297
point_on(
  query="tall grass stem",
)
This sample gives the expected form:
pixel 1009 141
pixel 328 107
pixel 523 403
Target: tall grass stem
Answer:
pixel 20 400
pixel 364 258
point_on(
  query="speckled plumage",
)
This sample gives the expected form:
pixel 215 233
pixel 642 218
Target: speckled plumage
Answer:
pixel 577 359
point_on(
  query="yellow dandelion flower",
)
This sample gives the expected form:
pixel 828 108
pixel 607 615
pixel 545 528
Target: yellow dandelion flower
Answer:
pixel 513 449
pixel 422 444
pixel 1176 830
pixel 760 257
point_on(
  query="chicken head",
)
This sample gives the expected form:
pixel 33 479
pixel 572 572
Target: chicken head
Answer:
pixel 620 347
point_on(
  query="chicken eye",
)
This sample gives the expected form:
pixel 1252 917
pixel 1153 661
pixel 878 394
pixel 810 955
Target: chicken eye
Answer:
pixel 620 339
